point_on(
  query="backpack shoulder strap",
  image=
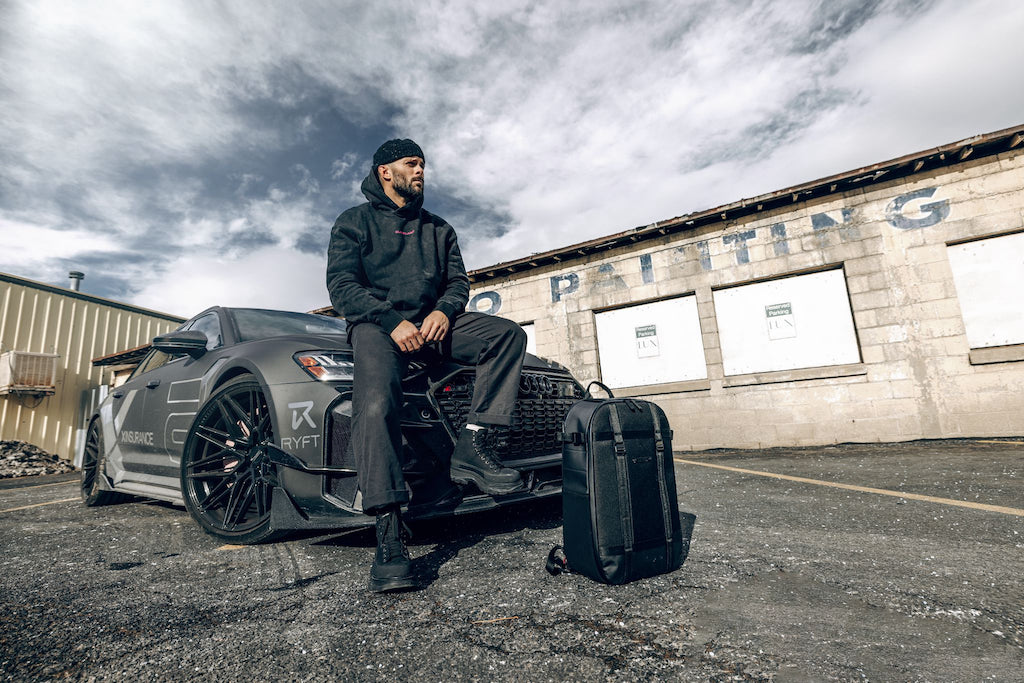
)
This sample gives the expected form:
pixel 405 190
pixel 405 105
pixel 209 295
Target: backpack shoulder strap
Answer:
pixel 622 469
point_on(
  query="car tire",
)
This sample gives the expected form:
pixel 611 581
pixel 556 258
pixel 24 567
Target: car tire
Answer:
pixel 92 470
pixel 226 475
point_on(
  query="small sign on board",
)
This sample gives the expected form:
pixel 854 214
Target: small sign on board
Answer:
pixel 781 323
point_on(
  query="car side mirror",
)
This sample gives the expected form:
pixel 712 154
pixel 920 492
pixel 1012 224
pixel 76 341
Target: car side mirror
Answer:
pixel 192 342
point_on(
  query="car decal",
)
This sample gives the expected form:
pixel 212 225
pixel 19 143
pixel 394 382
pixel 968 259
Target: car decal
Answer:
pixel 130 436
pixel 299 417
pixel 112 425
pixel 184 391
pixel 293 443
pixel 175 433
pixel 168 482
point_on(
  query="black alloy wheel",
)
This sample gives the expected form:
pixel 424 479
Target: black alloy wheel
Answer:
pixel 92 458
pixel 226 474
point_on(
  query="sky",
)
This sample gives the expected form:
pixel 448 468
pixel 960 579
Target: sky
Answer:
pixel 184 154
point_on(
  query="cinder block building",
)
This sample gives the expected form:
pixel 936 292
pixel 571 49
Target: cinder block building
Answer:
pixel 48 338
pixel 881 304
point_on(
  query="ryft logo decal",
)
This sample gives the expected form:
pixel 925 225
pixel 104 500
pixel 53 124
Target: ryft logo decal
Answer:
pixel 300 413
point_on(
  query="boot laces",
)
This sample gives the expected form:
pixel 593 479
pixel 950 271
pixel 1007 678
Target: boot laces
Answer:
pixel 484 451
pixel 392 541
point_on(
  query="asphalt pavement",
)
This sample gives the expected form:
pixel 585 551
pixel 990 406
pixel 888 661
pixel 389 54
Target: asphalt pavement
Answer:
pixel 883 562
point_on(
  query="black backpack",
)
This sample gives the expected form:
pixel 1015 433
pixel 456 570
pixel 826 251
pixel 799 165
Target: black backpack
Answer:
pixel 621 519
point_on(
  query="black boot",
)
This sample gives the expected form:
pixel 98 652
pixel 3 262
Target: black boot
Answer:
pixel 391 570
pixel 436 496
pixel 474 460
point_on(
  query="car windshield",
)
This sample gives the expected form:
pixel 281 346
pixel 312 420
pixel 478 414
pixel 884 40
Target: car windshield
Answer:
pixel 255 323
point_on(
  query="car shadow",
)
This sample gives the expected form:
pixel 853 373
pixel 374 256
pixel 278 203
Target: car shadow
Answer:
pixel 452 535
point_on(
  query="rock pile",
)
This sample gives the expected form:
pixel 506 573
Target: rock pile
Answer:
pixel 21 459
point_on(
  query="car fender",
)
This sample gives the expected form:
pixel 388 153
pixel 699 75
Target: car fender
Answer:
pixel 227 369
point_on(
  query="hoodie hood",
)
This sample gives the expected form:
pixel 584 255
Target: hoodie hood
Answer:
pixel 374 193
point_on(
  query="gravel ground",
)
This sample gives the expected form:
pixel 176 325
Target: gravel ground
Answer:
pixel 787 580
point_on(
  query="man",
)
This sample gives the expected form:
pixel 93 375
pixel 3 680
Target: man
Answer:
pixel 395 272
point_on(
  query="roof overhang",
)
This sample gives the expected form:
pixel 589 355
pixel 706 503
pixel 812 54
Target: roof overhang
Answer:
pixel 128 357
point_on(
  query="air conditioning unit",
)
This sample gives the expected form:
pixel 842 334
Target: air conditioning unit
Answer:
pixel 22 372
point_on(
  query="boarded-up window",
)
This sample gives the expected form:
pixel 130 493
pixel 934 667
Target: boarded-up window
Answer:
pixel 802 321
pixel 651 343
pixel 989 277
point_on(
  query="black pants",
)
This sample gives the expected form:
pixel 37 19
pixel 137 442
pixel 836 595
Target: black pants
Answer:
pixel 496 347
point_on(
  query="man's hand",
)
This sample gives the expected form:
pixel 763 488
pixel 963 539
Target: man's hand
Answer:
pixel 435 327
pixel 408 337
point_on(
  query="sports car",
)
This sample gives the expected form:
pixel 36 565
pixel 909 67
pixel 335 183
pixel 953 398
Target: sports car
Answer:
pixel 243 416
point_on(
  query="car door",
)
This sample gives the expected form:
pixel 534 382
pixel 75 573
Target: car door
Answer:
pixel 174 392
pixel 128 431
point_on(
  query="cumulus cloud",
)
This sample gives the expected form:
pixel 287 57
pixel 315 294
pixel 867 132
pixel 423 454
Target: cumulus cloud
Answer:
pixel 159 138
pixel 266 278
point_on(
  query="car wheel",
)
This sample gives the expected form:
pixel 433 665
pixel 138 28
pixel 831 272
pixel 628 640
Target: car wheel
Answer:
pixel 92 463
pixel 226 475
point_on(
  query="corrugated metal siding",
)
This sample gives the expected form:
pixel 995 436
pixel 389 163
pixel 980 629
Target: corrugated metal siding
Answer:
pixel 43 321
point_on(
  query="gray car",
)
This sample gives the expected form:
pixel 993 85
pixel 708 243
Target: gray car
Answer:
pixel 243 415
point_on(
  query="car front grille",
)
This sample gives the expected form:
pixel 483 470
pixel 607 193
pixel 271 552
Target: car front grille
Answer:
pixel 540 410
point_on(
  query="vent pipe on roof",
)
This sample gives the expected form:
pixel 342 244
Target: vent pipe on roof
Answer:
pixel 76 279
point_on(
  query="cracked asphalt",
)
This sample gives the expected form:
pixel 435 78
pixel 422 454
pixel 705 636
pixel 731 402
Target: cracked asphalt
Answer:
pixel 914 576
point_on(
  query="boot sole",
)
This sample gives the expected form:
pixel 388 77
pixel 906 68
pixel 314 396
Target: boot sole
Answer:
pixel 393 585
pixel 467 477
pixel 441 505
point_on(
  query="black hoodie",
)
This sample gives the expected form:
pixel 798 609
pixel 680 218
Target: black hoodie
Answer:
pixel 387 264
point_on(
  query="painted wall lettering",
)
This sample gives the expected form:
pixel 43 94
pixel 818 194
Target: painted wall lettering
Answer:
pixel 933 212
pixel 567 283
pixel 917 209
pixel 705 254
pixel 607 278
pixel 684 253
pixel 485 302
pixel 740 240
pixel 825 221
pixel 780 242
pixel 646 269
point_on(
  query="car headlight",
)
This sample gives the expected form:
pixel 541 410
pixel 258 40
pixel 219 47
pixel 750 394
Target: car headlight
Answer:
pixel 326 366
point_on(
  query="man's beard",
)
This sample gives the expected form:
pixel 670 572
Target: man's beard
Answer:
pixel 406 189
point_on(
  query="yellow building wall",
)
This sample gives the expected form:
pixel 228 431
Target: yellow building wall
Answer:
pixel 40 318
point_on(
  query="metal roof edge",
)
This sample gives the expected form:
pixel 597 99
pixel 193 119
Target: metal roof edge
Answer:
pixel 25 282
pixel 951 154
pixel 127 355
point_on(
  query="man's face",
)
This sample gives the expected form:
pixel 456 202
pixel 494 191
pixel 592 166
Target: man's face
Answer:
pixel 407 176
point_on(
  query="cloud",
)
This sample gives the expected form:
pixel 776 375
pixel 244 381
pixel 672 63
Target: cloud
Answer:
pixel 35 245
pixel 266 277
pixel 229 136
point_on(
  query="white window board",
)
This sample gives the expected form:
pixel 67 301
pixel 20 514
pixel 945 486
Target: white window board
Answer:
pixel 801 321
pixel 989 279
pixel 653 343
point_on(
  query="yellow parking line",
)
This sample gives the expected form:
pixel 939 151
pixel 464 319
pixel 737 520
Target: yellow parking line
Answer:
pixel 1014 443
pixel 74 482
pixel 229 546
pixel 52 502
pixel 865 489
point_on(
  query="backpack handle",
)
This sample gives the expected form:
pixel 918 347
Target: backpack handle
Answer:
pixel 603 386
pixel 557 562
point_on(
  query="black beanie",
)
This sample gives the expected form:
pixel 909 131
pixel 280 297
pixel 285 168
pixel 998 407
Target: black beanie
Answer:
pixel 393 150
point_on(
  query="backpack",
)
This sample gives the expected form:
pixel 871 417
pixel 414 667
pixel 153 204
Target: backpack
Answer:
pixel 621 519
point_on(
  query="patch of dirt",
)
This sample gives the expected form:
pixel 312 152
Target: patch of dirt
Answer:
pixel 22 459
